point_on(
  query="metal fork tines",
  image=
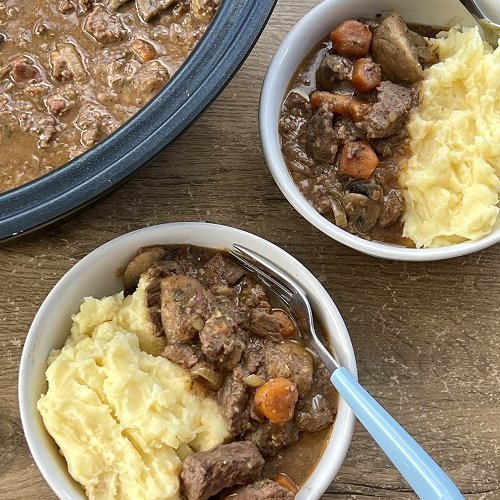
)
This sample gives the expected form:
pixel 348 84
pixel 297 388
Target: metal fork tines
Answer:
pixel 290 293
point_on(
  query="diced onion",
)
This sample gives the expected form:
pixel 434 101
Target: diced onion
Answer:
pixel 213 378
pixel 254 380
pixel 198 323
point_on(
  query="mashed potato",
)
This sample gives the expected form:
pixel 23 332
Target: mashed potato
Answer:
pixel 452 181
pixel 124 419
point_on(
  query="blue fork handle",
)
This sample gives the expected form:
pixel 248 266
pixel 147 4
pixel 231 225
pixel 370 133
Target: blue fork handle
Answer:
pixel 426 478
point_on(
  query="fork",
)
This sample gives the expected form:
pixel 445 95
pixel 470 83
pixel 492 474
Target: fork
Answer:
pixel 426 478
pixel 487 16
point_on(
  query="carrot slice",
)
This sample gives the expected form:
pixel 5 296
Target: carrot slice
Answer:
pixel 351 39
pixel 340 104
pixel 276 399
pixel 358 160
pixel 366 75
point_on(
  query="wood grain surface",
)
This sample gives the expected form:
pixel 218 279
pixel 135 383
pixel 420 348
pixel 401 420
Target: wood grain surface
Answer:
pixel 426 335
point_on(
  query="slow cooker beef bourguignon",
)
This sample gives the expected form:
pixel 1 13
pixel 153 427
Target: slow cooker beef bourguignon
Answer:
pixel 73 71
pixel 217 321
pixel 343 123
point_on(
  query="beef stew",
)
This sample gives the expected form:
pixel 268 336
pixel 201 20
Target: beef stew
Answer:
pixel 73 71
pixel 217 321
pixel 343 123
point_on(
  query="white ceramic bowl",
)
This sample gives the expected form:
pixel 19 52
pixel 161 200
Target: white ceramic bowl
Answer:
pixel 313 28
pixel 96 275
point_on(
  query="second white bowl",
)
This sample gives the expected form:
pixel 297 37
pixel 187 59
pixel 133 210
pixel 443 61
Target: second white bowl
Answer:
pixel 96 275
pixel 306 34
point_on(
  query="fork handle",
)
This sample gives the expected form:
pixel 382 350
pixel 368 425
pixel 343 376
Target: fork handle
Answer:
pixel 426 478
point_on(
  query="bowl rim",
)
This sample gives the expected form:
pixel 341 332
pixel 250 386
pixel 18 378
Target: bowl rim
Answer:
pixel 325 470
pixel 201 78
pixel 272 152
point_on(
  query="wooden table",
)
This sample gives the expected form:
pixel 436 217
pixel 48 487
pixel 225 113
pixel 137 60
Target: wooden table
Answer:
pixel 426 335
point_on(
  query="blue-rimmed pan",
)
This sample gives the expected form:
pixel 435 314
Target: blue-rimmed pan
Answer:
pixel 209 68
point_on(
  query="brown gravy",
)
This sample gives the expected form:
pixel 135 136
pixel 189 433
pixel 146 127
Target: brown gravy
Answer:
pixel 73 71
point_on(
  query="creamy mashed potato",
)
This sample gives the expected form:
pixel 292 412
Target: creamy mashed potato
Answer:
pixel 124 419
pixel 452 181
pixel 128 313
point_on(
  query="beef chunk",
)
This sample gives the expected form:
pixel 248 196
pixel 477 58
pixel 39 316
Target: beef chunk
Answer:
pixel 392 208
pixel 346 131
pixel 318 138
pixel 332 69
pixel 148 79
pixel 220 341
pixel 39 124
pixel 362 212
pixel 23 71
pixel 85 5
pixel 184 355
pixel 326 195
pixel 317 409
pixel 314 413
pixel 289 360
pixel 57 104
pixel 253 358
pixel 95 122
pixel 270 437
pixel 184 308
pixel 265 324
pixel 151 8
pixel 204 10
pixel 252 294
pixel 115 4
pixel 262 490
pixel 104 27
pixel 390 145
pixel 389 113
pixel 233 400
pixel 299 161
pixel 228 270
pixel 206 473
pixel 399 51
pixel 166 267
pixel 297 104
pixel 65 7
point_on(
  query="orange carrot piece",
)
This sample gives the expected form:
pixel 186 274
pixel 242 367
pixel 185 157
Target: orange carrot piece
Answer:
pixel 358 160
pixel 351 39
pixel 366 75
pixel 276 399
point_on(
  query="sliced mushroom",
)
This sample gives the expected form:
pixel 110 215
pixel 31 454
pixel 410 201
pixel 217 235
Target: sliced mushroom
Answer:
pixel 338 212
pixel 361 211
pixel 67 64
pixel 140 264
pixel 150 8
pixel 368 188
pixel 399 51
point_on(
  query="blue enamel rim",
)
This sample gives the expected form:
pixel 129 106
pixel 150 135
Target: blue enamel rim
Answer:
pixel 206 72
